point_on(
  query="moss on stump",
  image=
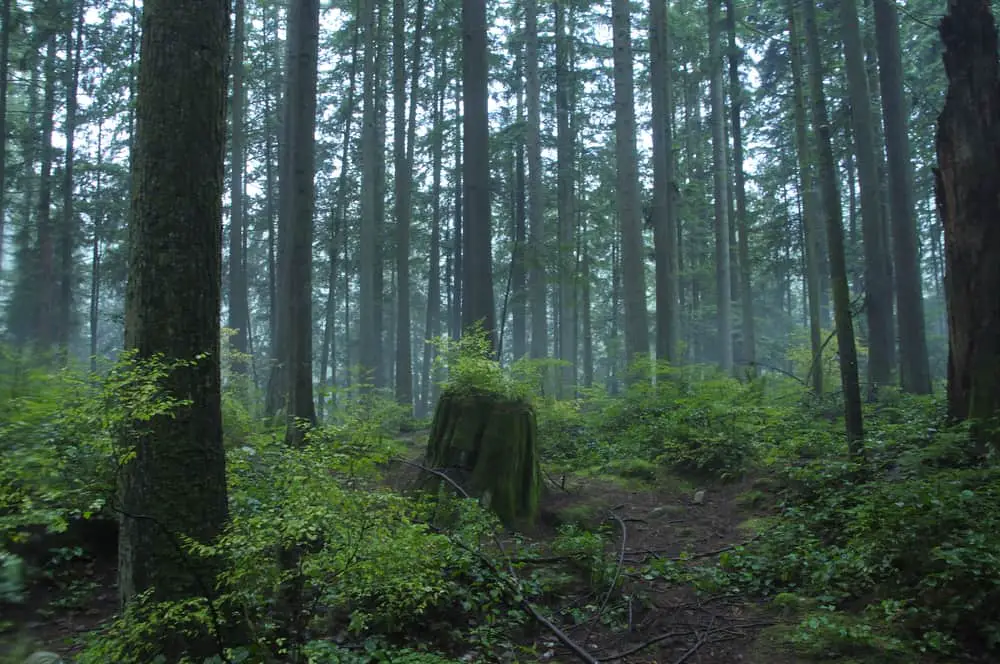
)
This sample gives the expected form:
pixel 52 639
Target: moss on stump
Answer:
pixel 491 441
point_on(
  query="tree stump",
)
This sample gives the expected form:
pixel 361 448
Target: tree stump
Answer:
pixel 488 444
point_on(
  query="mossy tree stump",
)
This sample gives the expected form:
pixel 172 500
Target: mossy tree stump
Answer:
pixel 488 444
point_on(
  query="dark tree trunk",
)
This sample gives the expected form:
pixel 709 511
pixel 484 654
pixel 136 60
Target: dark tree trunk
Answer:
pixel 176 483
pixel 239 306
pixel 968 148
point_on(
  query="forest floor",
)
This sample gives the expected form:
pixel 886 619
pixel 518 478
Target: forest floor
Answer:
pixel 655 621
pixel 645 620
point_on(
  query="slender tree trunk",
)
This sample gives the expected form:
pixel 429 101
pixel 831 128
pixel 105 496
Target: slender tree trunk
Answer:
pixel 565 195
pixel 720 168
pixel 5 31
pixel 369 263
pixel 95 252
pixel 45 276
pixel 878 279
pixel 239 305
pixel 807 187
pixel 63 318
pixel 432 328
pixel 383 362
pixel 968 149
pixel 835 240
pixel 519 315
pixel 457 243
pixel 664 221
pixel 914 367
pixel 742 221
pixel 633 256
pixel 536 203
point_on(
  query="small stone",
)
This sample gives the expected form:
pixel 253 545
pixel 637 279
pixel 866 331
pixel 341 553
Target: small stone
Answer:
pixel 699 498
pixel 44 657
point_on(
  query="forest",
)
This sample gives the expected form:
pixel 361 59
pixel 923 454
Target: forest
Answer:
pixel 457 331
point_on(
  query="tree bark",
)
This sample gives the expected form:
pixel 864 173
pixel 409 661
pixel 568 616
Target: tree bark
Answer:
pixel 914 366
pixel 565 196
pixel 368 265
pixel 878 278
pixel 720 168
pixel 239 306
pixel 176 483
pixel 477 294
pixel 536 203
pixel 633 256
pixel 968 149
pixel 830 197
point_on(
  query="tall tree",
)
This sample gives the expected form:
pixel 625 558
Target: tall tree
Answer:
pixel 44 275
pixel 968 149
pixel 742 220
pixel 176 482
pixel 298 201
pixel 239 306
pixel 627 198
pixel 477 290
pixel 405 133
pixel 536 205
pixel 368 265
pixel 720 168
pixel 63 319
pixel 878 278
pixel 914 366
pixel 565 204
pixel 807 187
pixel 5 31
pixel 664 220
pixel 830 197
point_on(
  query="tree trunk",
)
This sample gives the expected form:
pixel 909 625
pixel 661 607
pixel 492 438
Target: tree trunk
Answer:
pixel 63 318
pixel 5 31
pixel 565 205
pixel 536 202
pixel 95 252
pixel 44 277
pixel 664 221
pixel 878 278
pixel 742 221
pixel 368 265
pixel 633 256
pixel 914 367
pixel 176 483
pixel 239 306
pixel 968 149
pixel 835 241
pixel 519 288
pixel 477 294
pixel 807 187
pixel 720 169
pixel 298 200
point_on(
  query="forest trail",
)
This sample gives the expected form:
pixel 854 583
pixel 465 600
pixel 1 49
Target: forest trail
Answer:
pixel 653 620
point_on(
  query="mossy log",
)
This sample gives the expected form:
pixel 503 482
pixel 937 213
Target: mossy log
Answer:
pixel 488 444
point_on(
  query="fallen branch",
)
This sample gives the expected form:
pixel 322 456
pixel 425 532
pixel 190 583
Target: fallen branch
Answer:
pixel 646 644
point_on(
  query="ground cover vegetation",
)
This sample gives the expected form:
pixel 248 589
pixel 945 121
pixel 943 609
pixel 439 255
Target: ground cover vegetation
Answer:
pixel 692 488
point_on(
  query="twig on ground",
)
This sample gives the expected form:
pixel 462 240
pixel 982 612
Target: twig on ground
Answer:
pixel 618 572
pixel 702 638
pixel 646 644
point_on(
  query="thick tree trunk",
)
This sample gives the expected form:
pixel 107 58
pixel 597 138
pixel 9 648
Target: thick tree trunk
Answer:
pixel 176 483
pixel 63 319
pixel 298 199
pixel 914 367
pixel 633 256
pixel 519 289
pixel 477 293
pixel 368 264
pixel 968 148
pixel 44 277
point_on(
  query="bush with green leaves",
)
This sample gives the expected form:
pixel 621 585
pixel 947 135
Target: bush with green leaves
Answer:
pixel 910 537
pixel 63 436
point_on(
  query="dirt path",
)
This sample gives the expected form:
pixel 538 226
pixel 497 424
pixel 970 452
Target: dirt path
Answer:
pixel 651 620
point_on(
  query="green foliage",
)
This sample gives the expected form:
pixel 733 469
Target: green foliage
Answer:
pixel 61 436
